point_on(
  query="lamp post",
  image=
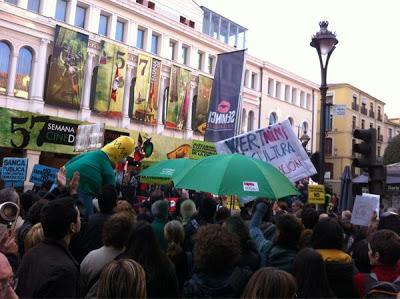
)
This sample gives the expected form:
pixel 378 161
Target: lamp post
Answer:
pixel 324 41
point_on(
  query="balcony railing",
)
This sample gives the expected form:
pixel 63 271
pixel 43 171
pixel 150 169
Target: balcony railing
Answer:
pixel 354 106
pixel 371 113
pixel 380 137
pixel 364 110
pixel 379 117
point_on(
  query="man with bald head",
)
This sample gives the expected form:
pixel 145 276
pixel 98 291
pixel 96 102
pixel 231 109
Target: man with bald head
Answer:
pixel 6 279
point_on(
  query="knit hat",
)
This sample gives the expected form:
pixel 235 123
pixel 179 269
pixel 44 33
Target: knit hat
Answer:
pixel 119 149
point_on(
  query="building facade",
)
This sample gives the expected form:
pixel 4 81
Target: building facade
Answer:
pixel 176 33
pixel 363 111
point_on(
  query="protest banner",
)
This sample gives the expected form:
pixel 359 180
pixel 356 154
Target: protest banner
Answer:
pixel 316 194
pixel 201 149
pixel 277 145
pixel 363 209
pixel 223 113
pixel 42 173
pixel 110 80
pixel 14 171
pixel 67 67
pixel 201 104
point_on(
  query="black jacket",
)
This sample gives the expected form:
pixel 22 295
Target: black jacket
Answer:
pixel 48 270
pixel 340 276
pixel 230 285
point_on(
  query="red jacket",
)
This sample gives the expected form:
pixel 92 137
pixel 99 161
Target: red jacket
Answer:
pixel 383 272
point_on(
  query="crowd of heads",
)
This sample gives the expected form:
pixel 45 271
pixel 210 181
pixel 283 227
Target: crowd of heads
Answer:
pixel 267 250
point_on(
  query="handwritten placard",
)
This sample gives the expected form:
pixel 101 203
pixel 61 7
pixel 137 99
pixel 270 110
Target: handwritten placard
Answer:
pixel 277 145
pixel 363 209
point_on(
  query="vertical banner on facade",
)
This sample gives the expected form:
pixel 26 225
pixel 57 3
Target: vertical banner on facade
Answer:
pixel 146 89
pixel 65 79
pixel 110 80
pixel 199 119
pixel 225 95
pixel 178 100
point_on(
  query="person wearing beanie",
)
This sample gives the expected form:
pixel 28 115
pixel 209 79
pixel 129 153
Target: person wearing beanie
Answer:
pixel 159 209
pixel 96 168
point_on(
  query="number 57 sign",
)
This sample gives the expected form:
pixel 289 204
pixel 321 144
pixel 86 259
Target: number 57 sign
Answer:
pixel 316 194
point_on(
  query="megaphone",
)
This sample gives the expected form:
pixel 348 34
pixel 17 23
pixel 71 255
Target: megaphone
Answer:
pixel 9 212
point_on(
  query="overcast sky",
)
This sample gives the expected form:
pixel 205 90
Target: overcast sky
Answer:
pixel 368 53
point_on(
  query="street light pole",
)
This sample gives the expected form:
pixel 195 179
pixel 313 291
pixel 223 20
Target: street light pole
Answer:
pixel 324 42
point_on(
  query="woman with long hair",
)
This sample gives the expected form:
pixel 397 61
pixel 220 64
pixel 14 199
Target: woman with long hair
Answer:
pixel 312 280
pixel 143 247
pixel 269 282
pixel 174 235
pixel 122 279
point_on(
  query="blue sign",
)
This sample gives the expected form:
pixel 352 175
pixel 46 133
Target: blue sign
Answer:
pixel 41 174
pixel 225 95
pixel 14 169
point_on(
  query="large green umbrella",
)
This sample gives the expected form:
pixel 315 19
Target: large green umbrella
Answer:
pixel 167 169
pixel 236 174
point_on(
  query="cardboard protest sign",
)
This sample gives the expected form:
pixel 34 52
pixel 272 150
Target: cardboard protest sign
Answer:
pixel 316 194
pixel 14 170
pixel 41 174
pixel 277 145
pixel 363 209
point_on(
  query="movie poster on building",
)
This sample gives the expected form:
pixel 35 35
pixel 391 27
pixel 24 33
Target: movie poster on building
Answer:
pixel 110 80
pixel 277 145
pixel 142 110
pixel 222 120
pixel 199 119
pixel 178 100
pixel 67 67
pixel 154 90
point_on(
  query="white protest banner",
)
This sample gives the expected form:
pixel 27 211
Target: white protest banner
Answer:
pixel 363 209
pixel 277 145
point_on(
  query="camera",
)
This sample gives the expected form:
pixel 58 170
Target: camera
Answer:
pixel 9 212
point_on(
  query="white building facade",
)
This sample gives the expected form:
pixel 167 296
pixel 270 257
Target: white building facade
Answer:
pixel 168 30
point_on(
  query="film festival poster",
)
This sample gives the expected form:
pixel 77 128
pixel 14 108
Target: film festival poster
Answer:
pixel 201 105
pixel 178 99
pixel 110 80
pixel 67 67
pixel 224 109
pixel 146 89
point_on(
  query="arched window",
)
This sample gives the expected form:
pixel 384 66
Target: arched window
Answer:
pixel 304 127
pixel 5 52
pixel 24 69
pixel 291 121
pixel 250 121
pixel 273 118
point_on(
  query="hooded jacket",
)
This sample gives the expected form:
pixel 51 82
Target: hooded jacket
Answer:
pixel 340 270
pixel 229 285
pixel 96 168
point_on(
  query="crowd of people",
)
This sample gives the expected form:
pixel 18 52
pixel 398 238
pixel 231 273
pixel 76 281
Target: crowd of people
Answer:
pixel 127 249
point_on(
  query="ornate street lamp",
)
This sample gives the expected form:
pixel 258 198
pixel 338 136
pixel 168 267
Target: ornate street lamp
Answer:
pixel 324 42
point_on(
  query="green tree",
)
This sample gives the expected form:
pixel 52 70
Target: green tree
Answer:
pixel 392 152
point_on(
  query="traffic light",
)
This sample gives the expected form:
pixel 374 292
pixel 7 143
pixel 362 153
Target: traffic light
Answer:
pixel 367 149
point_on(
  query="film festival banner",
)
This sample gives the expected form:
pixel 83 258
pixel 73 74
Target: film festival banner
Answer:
pixel 178 99
pixel 146 89
pixel 67 67
pixel 277 145
pixel 225 96
pixel 200 109
pixel 110 82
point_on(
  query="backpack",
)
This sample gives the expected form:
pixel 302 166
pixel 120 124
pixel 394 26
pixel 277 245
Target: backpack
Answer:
pixel 380 289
